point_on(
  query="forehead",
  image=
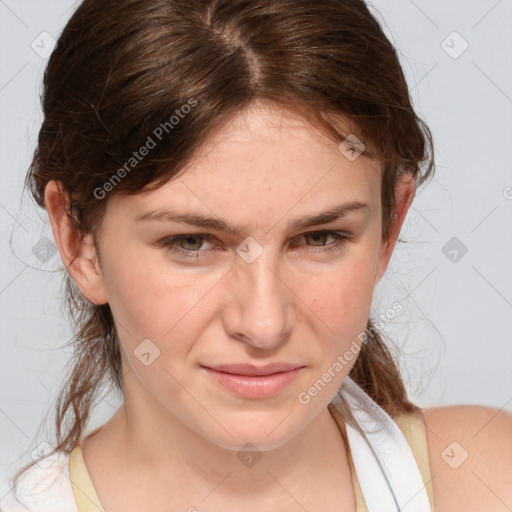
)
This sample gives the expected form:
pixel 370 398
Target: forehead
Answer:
pixel 267 124
pixel 261 161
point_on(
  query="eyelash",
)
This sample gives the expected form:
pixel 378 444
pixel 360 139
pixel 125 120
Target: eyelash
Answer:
pixel 170 243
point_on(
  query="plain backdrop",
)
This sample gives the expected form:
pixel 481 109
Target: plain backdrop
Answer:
pixel 452 275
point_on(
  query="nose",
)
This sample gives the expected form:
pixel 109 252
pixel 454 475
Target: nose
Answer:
pixel 260 312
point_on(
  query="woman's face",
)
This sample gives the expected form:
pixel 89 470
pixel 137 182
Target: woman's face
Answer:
pixel 271 291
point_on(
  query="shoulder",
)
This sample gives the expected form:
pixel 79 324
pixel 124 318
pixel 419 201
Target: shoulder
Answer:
pixel 470 455
pixel 44 486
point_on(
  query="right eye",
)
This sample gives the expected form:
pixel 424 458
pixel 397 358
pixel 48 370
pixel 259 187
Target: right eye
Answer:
pixel 174 243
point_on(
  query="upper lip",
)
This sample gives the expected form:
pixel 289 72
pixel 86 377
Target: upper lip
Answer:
pixel 249 369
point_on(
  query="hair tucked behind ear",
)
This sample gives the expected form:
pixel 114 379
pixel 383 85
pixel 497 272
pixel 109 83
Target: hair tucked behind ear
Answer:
pixel 96 362
pixel 126 70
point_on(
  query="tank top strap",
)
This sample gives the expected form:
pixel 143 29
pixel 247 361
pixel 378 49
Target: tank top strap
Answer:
pixel 413 427
pixel 413 430
pixel 83 489
pixel 360 502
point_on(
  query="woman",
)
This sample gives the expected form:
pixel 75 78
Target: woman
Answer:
pixel 280 137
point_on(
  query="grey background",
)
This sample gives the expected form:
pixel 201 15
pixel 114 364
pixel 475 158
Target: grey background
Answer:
pixel 455 328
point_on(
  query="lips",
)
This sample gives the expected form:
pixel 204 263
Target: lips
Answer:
pixel 254 382
pixel 251 370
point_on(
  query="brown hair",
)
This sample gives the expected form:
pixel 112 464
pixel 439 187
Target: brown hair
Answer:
pixel 123 68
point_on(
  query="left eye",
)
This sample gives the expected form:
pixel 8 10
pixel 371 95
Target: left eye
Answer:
pixel 176 243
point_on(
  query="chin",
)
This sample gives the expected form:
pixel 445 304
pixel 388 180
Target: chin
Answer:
pixel 252 441
pixel 265 430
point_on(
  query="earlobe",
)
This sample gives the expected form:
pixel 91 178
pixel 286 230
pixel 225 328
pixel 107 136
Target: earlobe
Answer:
pixel 76 250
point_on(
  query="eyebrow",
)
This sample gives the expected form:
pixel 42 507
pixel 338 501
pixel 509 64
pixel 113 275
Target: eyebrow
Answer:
pixel 199 220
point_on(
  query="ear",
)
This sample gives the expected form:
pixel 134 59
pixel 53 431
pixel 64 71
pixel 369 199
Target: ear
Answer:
pixel 405 189
pixel 76 251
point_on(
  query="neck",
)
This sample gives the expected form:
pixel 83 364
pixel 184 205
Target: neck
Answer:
pixel 143 435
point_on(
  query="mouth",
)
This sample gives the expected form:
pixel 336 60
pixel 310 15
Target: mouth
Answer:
pixel 252 382
pixel 250 370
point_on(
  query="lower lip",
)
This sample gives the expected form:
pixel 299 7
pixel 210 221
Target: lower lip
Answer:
pixel 254 386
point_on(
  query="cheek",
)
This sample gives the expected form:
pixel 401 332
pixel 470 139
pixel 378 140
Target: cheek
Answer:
pixel 340 302
pixel 158 301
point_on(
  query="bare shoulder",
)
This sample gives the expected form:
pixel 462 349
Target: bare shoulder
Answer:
pixel 470 455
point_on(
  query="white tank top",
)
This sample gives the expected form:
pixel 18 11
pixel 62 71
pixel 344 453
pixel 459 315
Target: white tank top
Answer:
pixel 386 469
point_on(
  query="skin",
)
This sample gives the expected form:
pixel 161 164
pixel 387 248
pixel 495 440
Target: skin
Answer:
pixel 177 428
pixel 483 481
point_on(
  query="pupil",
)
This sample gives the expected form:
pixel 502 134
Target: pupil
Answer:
pixel 316 235
pixel 187 240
